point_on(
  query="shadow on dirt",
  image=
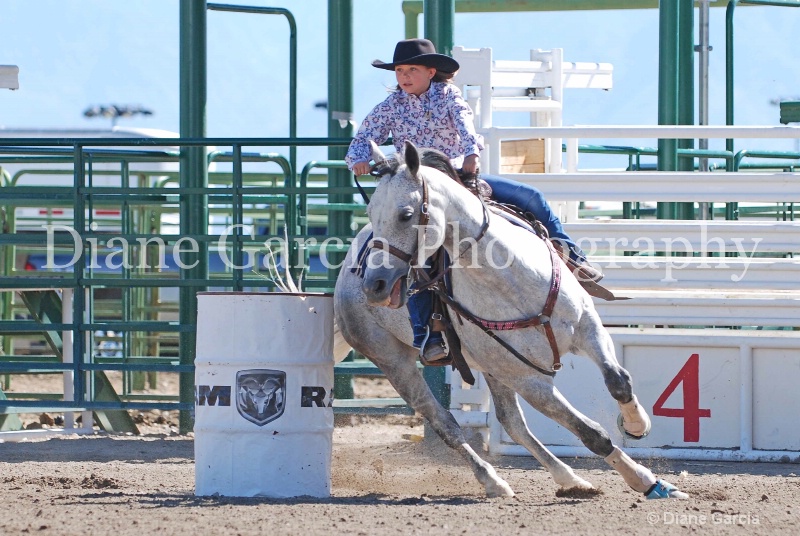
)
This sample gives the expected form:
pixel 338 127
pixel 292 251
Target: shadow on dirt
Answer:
pixel 167 500
pixel 142 449
pixel 659 465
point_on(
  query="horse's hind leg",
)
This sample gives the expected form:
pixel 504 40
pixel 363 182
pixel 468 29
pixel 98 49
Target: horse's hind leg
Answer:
pixel 599 347
pixel 402 373
pixel 510 416
pixel 550 402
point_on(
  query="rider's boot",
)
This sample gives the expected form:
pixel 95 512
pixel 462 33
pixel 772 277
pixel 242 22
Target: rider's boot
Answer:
pixel 580 268
pixel 586 272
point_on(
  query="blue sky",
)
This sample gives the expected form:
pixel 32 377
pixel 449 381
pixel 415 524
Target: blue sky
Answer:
pixel 76 53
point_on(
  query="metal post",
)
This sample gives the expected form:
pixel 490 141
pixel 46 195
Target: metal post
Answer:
pixel 731 209
pixel 702 96
pixel 439 17
pixel 685 211
pixel 411 25
pixel 667 92
pixel 439 23
pixel 237 217
pixel 79 298
pixel 193 174
pixel 340 125
pixel 729 69
pixel 340 113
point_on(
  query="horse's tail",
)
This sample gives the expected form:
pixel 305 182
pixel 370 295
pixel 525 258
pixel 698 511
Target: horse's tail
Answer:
pixel 340 346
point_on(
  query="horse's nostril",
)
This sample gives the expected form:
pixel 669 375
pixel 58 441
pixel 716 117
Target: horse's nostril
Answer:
pixel 379 286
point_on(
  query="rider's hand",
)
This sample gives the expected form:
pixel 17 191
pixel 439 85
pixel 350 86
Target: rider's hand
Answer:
pixel 471 164
pixel 362 168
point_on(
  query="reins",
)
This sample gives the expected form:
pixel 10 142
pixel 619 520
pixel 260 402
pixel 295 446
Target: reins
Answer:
pixel 436 284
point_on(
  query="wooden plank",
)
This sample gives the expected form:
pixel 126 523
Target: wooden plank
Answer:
pixel 522 156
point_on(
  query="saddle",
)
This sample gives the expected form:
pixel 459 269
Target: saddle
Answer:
pixel 528 221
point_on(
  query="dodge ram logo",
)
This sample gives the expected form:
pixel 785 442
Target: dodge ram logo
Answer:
pixel 260 394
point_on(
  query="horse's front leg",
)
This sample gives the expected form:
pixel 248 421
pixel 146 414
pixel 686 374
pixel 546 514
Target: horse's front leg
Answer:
pixel 596 343
pixel 510 415
pixel 404 376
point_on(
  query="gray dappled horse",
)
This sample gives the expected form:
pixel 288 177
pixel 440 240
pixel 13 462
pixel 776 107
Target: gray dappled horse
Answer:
pixel 502 272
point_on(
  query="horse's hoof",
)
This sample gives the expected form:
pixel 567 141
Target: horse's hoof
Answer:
pixel 664 490
pixel 623 431
pixel 633 420
pixel 499 489
pixel 572 481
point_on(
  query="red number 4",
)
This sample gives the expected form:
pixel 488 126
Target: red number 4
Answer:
pixel 689 375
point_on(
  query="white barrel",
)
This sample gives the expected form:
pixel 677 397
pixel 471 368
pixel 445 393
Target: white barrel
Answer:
pixel 264 394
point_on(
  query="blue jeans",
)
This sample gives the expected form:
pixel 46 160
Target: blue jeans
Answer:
pixel 420 309
pixel 529 199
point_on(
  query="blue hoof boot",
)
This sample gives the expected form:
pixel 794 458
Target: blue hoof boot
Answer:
pixel 664 490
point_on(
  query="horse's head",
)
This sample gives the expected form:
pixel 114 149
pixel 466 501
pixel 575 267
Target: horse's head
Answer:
pixel 403 226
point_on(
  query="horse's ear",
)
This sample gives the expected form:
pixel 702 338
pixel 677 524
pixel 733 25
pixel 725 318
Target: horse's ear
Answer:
pixel 411 156
pixel 377 155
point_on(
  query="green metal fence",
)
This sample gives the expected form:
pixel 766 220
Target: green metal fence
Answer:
pixel 120 229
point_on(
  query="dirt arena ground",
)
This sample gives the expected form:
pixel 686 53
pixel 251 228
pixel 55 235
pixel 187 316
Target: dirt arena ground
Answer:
pixel 385 481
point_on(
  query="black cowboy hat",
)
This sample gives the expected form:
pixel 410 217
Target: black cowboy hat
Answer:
pixel 418 52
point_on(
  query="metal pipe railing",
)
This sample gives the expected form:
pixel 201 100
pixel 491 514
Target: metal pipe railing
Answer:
pixel 240 199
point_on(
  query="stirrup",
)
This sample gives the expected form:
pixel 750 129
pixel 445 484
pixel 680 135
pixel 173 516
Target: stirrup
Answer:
pixel 444 361
pixel 447 359
pixel 599 291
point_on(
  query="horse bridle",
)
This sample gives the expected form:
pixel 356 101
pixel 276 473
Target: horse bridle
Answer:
pixel 424 219
pixel 487 326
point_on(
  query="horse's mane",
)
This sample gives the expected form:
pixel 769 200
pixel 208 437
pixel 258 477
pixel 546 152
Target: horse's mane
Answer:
pixel 431 158
pixel 439 161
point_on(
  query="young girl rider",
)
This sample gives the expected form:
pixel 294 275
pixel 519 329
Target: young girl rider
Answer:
pixel 427 109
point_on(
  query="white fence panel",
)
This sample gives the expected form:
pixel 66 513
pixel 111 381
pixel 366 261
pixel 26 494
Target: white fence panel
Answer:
pixel 612 237
pixel 718 394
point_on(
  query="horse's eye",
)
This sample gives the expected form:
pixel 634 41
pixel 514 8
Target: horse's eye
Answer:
pixel 406 214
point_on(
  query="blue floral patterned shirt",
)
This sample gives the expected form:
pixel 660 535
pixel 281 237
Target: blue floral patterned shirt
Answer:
pixel 439 119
